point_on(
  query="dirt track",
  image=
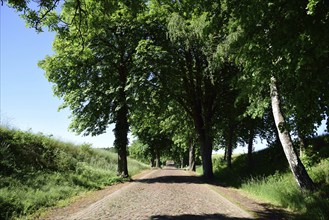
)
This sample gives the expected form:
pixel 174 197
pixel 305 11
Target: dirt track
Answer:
pixel 159 194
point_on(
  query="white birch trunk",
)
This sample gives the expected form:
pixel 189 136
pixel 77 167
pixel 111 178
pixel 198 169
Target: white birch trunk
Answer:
pixel 296 166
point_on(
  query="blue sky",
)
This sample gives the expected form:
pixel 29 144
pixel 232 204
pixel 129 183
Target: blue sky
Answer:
pixel 27 101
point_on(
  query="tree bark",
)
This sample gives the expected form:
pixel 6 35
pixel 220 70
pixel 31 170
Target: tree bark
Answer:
pixel 152 162
pixel 206 153
pixel 205 148
pixel 250 147
pixel 301 140
pixel 225 154
pixel 153 157
pixel 204 138
pixel 191 155
pixel 296 166
pixel 121 126
pixel 301 146
pixel 157 159
pixel 230 147
pixel 121 140
pixel 200 106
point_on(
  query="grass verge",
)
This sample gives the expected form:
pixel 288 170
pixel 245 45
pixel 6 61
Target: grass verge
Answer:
pixel 37 171
pixel 282 190
pixel 270 179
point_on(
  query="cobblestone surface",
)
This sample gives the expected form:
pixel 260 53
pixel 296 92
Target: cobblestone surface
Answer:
pixel 163 194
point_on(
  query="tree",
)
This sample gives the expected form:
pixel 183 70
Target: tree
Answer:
pixel 148 116
pixel 298 169
pixel 185 67
pixel 279 41
pixel 184 137
pixel 91 67
pixel 138 151
pixel 34 14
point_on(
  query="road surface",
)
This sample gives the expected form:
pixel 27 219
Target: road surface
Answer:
pixel 159 194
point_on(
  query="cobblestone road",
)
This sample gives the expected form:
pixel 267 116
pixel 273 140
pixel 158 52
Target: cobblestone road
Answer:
pixel 163 194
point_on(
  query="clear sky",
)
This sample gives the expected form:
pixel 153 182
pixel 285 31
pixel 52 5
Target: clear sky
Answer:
pixel 27 101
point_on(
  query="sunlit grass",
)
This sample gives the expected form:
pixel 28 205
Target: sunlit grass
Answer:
pixel 271 180
pixel 282 190
pixel 38 172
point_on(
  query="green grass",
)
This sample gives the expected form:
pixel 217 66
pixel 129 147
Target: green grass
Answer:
pixel 271 180
pixel 37 171
pixel 282 190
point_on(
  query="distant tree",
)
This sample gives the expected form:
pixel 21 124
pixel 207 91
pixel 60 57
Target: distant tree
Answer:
pixel 185 67
pixel 139 151
pixel 148 118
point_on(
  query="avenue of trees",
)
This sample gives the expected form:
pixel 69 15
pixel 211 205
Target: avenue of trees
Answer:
pixel 187 76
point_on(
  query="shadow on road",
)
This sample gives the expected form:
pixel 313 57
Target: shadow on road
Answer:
pixel 265 211
pixel 172 179
pixel 194 217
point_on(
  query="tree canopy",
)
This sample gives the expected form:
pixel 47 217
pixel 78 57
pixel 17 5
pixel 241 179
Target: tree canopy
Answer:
pixel 219 72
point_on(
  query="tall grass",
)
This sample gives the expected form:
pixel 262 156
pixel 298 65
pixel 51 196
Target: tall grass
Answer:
pixel 282 190
pixel 37 171
pixel 270 178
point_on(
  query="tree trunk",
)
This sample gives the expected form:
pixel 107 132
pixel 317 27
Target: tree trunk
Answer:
pixel 205 141
pixel 191 155
pixel 122 127
pixel 206 152
pixel 225 154
pixel 230 147
pixel 121 140
pixel 301 140
pixel 153 157
pixel 301 146
pixel 152 162
pixel 296 166
pixel 157 160
pixel 250 147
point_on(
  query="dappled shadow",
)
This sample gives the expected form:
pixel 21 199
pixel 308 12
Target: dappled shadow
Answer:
pixel 172 179
pixel 194 217
pixel 271 212
pixel 169 166
pixel 264 211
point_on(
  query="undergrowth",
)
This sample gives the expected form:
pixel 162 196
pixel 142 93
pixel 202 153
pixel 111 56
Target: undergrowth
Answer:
pixel 37 171
pixel 270 179
pixel 282 190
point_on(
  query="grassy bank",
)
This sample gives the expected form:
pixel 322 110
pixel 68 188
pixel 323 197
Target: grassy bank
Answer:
pixel 281 189
pixel 37 171
pixel 270 179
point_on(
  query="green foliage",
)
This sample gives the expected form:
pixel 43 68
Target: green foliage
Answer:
pixel 153 56
pixel 311 6
pixel 256 42
pixel 317 149
pixel 240 171
pixel 139 151
pixel 38 171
